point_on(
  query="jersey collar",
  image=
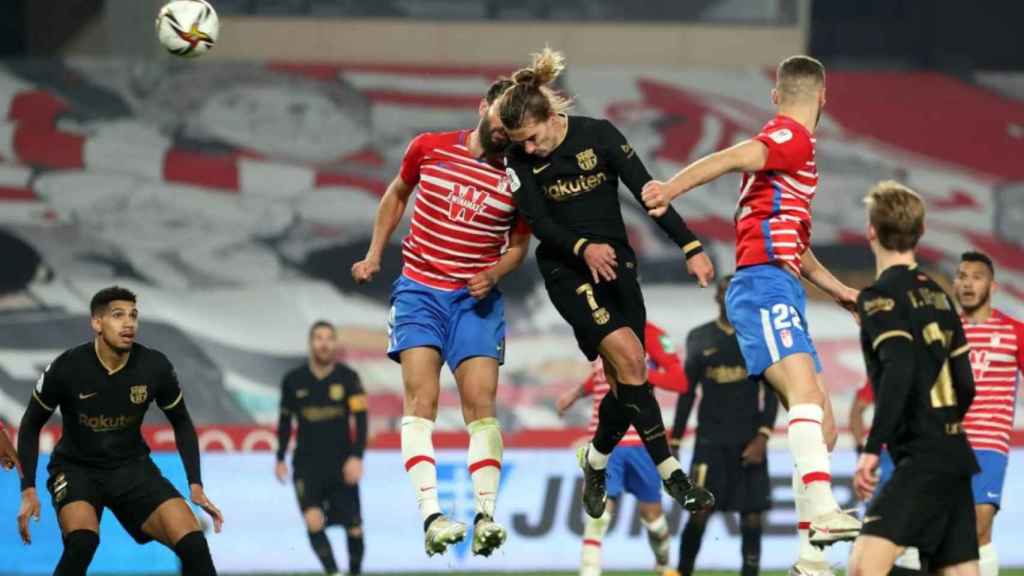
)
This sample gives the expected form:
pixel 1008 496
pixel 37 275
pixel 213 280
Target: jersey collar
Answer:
pixel 110 371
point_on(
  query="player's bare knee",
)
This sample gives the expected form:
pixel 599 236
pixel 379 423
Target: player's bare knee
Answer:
pixel 314 519
pixel 421 402
pixel 355 532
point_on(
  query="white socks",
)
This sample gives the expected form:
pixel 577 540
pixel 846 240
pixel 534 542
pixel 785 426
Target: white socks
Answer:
pixel 596 460
pixel 808 553
pixel 988 564
pixel 418 455
pixel 485 450
pixel 807 444
pixel 593 534
pixel 667 467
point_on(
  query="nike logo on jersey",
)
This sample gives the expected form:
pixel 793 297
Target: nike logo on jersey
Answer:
pixel 992 494
pixel 539 169
pixel 869 519
pixel 82 396
pixel 426 488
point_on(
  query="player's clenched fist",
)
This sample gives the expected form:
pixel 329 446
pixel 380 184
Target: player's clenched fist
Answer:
pixel 364 270
pixel 656 198
pixel 699 266
pixel 481 283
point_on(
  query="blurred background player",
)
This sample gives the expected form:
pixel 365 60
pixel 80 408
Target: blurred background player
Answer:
pixel 465 236
pixel 734 423
pixel 630 469
pixel 565 172
pixel 766 301
pixel 916 354
pixel 325 395
pixel 997 358
pixel 103 389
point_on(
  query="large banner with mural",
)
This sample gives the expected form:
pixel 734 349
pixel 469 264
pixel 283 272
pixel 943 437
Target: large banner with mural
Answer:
pixel 234 197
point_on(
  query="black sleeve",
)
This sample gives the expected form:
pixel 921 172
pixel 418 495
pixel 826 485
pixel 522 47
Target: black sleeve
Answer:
pixel 692 367
pixel 357 407
pixel 624 159
pixel 770 410
pixel 187 440
pixel 889 331
pixel 28 441
pixel 960 370
pixel 530 201
pixel 45 399
pixel 284 422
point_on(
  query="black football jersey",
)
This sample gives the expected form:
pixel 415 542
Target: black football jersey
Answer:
pixel 733 407
pixel 322 408
pixel 572 195
pixel 919 416
pixel 102 411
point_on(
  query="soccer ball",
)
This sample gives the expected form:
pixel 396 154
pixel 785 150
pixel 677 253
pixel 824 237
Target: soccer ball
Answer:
pixel 187 28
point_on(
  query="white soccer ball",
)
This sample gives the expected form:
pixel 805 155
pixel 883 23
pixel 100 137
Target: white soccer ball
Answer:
pixel 187 28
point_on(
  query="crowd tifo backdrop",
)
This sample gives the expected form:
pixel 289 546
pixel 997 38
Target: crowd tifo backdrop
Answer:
pixel 233 197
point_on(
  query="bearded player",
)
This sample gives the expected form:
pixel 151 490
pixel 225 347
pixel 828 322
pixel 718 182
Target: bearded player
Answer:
pixel 445 308
pixel 997 358
pixel 766 301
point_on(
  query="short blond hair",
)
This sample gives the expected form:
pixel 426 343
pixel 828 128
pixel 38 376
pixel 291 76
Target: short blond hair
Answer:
pixel 799 77
pixel 897 214
pixel 530 95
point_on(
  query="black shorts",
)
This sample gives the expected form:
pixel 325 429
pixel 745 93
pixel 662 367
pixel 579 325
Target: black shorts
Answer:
pixel 737 488
pixel 596 310
pixel 929 510
pixel 328 491
pixel 132 491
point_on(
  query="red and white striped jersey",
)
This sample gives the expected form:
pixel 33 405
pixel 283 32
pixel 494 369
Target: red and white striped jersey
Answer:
pixel 462 214
pixel 997 358
pixel 773 216
pixel 664 371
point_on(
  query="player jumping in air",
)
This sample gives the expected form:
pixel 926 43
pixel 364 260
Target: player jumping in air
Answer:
pixel 630 469
pixel 565 173
pixel 445 308
pixel 103 389
pixel 324 395
pixel 917 358
pixel 734 423
pixel 997 358
pixel 766 301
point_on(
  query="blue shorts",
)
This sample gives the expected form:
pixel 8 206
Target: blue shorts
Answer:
pixel 630 469
pixel 453 322
pixel 885 468
pixel 767 306
pixel 988 484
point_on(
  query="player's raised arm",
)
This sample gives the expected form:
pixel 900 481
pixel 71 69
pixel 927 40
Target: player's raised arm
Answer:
pixel 747 156
pixel 390 211
pixel 480 284
pixel 171 401
pixel 667 372
pixel 883 321
pixel 635 176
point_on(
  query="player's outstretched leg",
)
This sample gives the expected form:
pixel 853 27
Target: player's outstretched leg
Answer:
pixel 626 365
pixel 612 424
pixel 594 530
